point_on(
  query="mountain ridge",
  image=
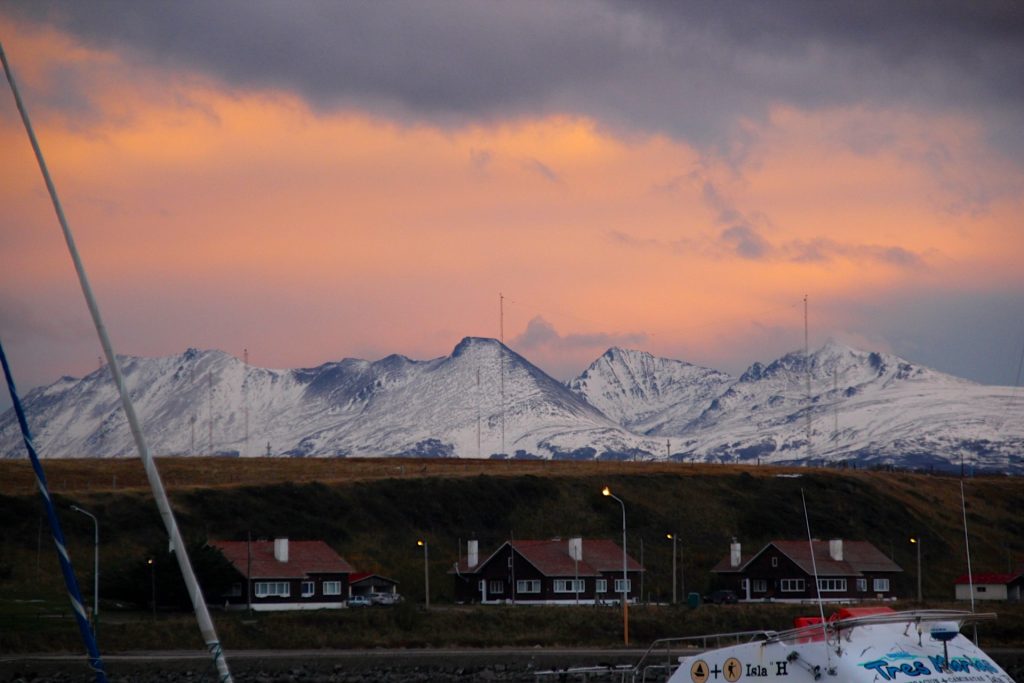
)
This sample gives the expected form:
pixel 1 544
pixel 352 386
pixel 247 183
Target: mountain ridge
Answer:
pixel 837 404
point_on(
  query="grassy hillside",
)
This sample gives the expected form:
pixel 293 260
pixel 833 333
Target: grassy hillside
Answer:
pixel 372 512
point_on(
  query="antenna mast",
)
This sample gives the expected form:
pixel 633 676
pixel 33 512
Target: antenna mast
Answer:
pixel 209 402
pixel 478 454
pixel 807 373
pixel 501 360
pixel 245 399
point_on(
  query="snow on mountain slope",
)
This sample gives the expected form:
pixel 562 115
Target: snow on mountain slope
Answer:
pixel 869 407
pixel 209 402
pixel 484 400
pixel 646 394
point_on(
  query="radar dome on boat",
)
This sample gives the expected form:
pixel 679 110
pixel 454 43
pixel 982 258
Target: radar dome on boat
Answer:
pixel 945 631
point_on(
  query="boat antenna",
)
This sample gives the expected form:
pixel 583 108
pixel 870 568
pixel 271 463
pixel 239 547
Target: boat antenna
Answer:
pixel 817 586
pixel 967 547
pixel 159 494
pixel 70 580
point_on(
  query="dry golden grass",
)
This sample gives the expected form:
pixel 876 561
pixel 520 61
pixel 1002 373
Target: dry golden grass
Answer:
pixel 121 474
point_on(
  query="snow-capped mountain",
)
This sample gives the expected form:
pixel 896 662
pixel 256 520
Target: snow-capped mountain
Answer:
pixel 843 404
pixel 837 404
pixel 210 402
pixel 646 394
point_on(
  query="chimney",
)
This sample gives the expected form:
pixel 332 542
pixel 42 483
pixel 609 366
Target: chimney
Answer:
pixel 576 548
pixel 472 553
pixel 281 549
pixel 835 549
pixel 734 553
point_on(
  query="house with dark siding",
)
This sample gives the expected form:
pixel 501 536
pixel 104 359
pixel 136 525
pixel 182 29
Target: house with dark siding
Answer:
pixel 847 571
pixel 285 575
pixel 554 572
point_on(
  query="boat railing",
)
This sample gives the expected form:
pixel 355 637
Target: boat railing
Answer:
pixel 832 628
pixel 651 660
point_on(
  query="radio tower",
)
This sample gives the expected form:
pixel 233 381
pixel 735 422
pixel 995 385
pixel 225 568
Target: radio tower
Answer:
pixel 501 363
pixel 807 372
pixel 209 378
pixel 245 399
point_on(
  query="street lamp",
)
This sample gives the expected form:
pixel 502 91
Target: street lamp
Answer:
pixel 625 583
pixel 152 581
pixel 917 541
pixel 95 568
pixel 673 538
pixel 426 573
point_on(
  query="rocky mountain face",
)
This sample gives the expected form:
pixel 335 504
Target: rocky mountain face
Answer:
pixel 485 400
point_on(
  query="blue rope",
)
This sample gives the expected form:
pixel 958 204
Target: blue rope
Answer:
pixel 58 536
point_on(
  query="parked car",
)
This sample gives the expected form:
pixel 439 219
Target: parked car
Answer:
pixel 385 598
pixel 722 597
pixel 359 601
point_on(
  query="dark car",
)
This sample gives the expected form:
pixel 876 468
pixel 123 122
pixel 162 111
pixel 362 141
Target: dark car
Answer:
pixel 722 597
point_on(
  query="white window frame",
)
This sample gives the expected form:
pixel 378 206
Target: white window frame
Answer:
pixel 569 585
pixel 308 589
pixel 618 586
pixel 792 585
pixel 528 586
pixel 881 585
pixel 601 586
pixel 759 586
pixel 832 585
pixel 775 561
pixel 862 585
pixel 495 586
pixel 332 587
pixel 273 589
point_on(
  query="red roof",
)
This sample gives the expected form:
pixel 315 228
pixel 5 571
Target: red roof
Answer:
pixel 858 557
pixel 304 558
pixel 551 558
pixel 987 578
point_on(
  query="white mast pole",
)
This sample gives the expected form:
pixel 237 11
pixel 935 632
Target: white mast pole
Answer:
pixel 159 495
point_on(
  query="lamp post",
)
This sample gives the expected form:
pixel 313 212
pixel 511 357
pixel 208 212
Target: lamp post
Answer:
pixel 917 541
pixel 95 567
pixel 674 538
pixel 152 582
pixel 426 573
pixel 625 583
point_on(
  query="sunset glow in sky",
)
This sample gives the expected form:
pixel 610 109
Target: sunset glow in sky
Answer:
pixel 320 180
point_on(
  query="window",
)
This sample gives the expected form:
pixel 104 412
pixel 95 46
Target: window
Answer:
pixel 760 586
pixel 601 586
pixel 495 586
pixel 528 586
pixel 791 585
pixel 308 588
pixel 235 591
pixel 619 586
pixel 832 585
pixel 332 587
pixel 272 589
pixel 569 585
pixel 881 585
pixel 775 562
pixel 982 589
pixel 862 585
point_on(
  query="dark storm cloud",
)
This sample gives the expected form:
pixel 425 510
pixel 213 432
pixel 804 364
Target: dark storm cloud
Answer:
pixel 691 69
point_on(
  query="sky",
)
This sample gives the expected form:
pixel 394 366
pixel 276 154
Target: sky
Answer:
pixel 315 180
